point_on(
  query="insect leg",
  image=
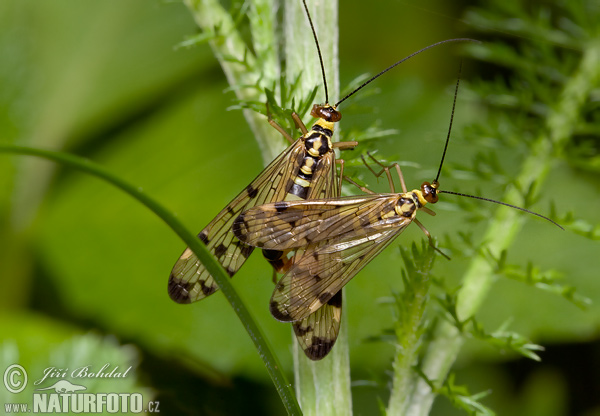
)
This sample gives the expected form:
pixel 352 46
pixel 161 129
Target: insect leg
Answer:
pixel 422 227
pixel 386 170
pixel 281 129
pixel 274 278
pixel 299 123
pixel 362 188
pixel 345 145
pixel 401 176
pixel 341 163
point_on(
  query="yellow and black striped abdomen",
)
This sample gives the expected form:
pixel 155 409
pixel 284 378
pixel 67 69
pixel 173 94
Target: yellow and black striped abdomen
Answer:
pixel 318 158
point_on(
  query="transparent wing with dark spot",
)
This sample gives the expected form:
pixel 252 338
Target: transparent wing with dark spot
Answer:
pixel 323 184
pixel 317 277
pixel 287 225
pixel 318 332
pixel 189 280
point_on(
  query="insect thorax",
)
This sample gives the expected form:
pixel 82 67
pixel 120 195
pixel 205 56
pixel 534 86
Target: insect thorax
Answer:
pixel 409 203
pixel 318 140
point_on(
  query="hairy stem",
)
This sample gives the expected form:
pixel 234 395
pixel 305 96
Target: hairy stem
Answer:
pixel 409 328
pixel 248 72
pixel 322 387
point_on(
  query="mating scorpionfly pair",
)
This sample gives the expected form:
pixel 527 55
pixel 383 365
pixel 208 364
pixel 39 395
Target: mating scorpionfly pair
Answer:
pixel 319 240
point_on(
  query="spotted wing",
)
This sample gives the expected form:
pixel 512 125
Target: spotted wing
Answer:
pixel 320 183
pixel 318 332
pixel 189 280
pixel 292 224
pixel 318 276
pixel 323 182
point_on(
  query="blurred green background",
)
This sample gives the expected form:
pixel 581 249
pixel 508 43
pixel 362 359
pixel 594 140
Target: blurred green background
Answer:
pixel 84 268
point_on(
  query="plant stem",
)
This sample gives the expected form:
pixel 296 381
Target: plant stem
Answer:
pixel 300 50
pixel 410 326
pixel 322 387
pixel 248 74
pixel 199 249
pixel 506 223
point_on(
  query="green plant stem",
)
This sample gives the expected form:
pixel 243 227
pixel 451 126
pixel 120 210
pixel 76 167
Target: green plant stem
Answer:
pixel 506 223
pixel 322 387
pixel 248 72
pixel 199 249
pixel 300 50
pixel 409 329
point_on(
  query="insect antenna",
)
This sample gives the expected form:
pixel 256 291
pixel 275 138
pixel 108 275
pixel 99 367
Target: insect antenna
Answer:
pixel 373 78
pixel 312 27
pixel 501 203
pixel 435 182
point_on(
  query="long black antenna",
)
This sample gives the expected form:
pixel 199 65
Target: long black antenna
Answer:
pixel 501 203
pixel 400 61
pixel 451 120
pixel 318 51
pixel 472 196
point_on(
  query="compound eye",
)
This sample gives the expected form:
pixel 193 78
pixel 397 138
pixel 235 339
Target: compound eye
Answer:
pixel 429 192
pixel 326 112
